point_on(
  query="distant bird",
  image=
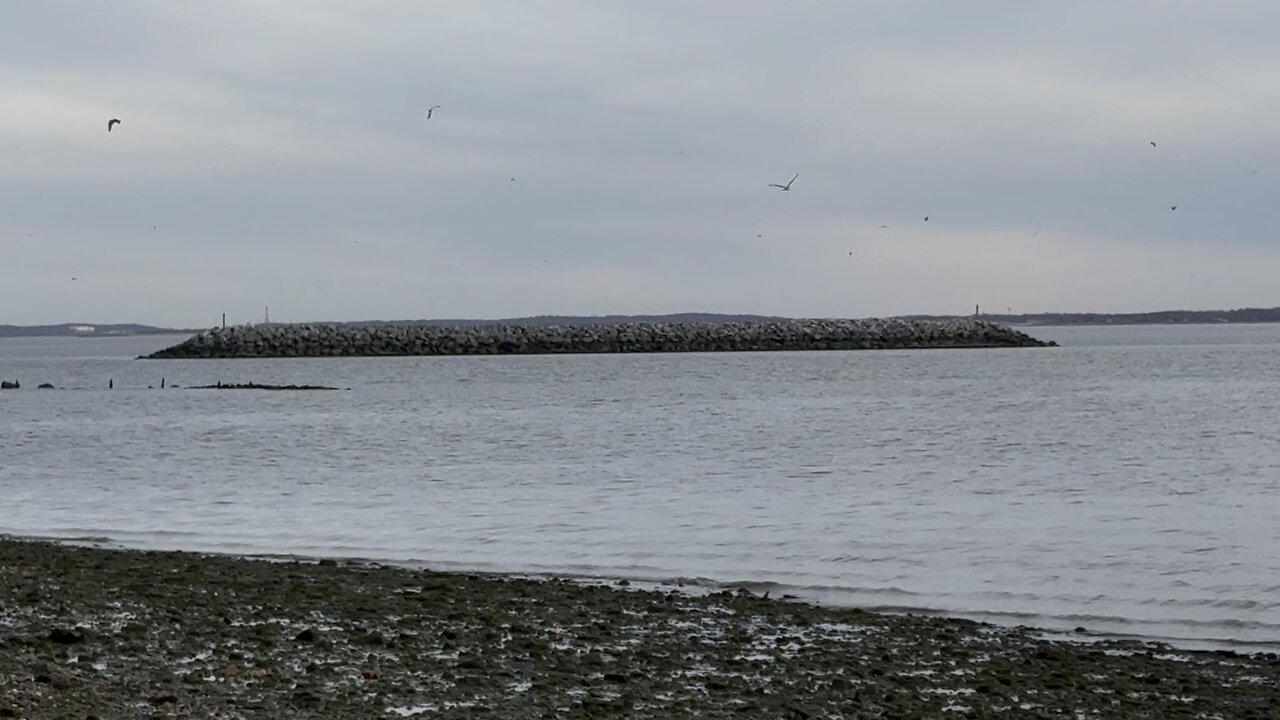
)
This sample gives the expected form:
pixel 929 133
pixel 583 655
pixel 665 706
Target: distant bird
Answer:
pixel 1153 143
pixel 883 227
pixel 432 109
pixel 926 218
pixel 73 279
pixel 112 123
pixel 787 186
pixel 759 235
pixel 513 179
pixel 1173 207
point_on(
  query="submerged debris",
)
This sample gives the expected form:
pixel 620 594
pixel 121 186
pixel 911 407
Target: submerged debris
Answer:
pixel 259 386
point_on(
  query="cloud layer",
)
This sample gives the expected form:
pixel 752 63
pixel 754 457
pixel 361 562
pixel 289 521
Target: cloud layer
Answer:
pixel 612 157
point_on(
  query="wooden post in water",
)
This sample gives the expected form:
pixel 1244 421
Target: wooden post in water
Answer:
pixel 111 384
pixel 161 383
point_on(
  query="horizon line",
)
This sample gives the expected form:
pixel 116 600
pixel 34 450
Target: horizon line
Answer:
pixel 543 316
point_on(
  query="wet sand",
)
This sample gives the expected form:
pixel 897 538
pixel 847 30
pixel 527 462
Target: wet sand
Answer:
pixel 96 633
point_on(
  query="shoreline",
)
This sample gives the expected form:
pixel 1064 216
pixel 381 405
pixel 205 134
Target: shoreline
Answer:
pixel 110 633
pixel 1066 629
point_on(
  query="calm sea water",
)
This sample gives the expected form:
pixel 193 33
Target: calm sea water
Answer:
pixel 1126 482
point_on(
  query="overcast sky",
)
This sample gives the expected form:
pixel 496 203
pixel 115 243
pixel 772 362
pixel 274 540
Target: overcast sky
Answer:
pixel 279 154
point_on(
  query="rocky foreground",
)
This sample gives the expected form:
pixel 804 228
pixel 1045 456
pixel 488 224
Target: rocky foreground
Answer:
pixel 91 633
pixel 328 340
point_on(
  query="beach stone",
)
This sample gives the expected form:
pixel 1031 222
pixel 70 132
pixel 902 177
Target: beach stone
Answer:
pixel 609 652
pixel 45 386
pixel 63 636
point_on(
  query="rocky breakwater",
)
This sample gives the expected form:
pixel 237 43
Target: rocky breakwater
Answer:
pixel 322 340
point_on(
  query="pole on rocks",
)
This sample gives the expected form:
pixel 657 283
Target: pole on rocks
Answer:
pixel 224 321
pixel 161 383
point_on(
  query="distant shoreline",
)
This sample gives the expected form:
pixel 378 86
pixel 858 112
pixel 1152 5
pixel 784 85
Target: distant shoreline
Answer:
pixel 1161 317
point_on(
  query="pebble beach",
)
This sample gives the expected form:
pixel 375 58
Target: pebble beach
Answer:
pixel 89 632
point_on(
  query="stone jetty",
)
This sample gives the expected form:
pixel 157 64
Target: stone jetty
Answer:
pixel 337 340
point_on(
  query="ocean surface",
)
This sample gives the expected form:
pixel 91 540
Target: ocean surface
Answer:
pixel 1127 482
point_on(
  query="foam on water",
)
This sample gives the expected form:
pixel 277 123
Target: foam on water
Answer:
pixel 1124 482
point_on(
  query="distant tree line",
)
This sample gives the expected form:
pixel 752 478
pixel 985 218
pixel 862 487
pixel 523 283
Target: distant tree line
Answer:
pixel 1160 317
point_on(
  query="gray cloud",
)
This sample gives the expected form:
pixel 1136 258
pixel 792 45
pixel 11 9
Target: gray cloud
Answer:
pixel 282 154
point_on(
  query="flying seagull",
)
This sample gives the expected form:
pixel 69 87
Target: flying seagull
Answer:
pixel 112 122
pixel 926 218
pixel 1173 207
pixel 787 186
pixel 1153 143
pixel 432 109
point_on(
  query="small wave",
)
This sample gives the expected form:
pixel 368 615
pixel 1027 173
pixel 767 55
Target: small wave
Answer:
pixel 1230 603
pixel 95 539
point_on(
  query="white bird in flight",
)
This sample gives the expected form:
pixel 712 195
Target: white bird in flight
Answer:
pixel 787 186
pixel 432 109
